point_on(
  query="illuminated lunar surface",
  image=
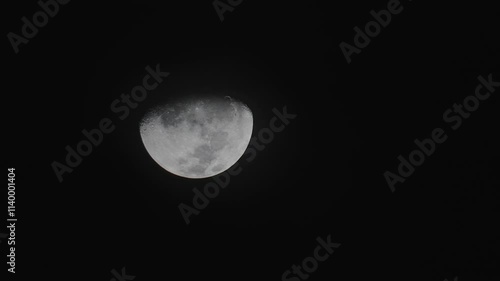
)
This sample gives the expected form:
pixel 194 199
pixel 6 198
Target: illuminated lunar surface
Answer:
pixel 199 138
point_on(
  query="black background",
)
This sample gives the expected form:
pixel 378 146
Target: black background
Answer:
pixel 323 175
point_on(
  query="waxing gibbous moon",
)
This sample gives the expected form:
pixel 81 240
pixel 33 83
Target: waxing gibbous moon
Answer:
pixel 198 138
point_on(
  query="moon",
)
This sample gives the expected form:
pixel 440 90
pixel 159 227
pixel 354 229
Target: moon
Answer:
pixel 197 138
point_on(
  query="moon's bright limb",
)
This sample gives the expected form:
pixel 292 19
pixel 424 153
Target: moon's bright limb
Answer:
pixel 198 138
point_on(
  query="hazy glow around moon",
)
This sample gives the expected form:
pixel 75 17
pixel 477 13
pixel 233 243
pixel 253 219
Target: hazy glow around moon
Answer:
pixel 198 138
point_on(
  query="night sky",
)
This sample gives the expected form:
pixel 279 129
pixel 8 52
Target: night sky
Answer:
pixel 323 175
